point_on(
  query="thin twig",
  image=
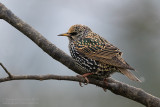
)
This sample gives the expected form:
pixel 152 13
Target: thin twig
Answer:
pixel 5 69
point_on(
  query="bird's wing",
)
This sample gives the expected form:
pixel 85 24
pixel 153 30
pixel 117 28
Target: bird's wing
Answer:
pixel 97 48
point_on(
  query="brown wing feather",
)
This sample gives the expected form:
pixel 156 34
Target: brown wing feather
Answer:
pixel 95 47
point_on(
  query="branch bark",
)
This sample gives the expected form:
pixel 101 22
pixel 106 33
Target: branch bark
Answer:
pixel 116 87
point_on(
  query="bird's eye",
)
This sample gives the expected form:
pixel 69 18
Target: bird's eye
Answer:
pixel 73 33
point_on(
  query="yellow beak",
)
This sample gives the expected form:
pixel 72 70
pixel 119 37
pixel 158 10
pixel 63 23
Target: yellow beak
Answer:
pixel 64 34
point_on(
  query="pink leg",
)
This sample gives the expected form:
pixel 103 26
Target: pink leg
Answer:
pixel 85 77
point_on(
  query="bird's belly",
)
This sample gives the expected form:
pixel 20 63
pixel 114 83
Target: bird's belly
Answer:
pixel 86 63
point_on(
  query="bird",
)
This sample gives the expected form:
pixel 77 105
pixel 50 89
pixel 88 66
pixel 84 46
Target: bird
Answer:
pixel 95 54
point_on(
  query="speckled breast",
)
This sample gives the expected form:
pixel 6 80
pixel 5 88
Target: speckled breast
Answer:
pixel 87 63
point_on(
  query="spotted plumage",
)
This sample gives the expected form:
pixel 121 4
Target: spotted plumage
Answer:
pixel 96 54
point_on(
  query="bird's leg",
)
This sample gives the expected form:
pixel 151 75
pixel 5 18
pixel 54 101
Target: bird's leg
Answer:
pixel 85 77
pixel 105 81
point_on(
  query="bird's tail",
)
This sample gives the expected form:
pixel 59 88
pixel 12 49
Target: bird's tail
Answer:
pixel 129 74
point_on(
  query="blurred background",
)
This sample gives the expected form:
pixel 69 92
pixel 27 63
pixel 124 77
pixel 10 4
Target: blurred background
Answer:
pixel 131 25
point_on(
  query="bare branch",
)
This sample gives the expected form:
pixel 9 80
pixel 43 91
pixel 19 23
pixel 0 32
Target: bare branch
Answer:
pixel 115 86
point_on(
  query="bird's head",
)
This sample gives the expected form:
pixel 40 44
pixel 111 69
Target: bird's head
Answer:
pixel 76 32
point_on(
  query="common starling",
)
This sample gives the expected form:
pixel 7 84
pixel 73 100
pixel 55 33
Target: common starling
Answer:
pixel 95 54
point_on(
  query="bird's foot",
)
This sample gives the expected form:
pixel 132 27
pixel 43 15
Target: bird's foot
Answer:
pixel 85 77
